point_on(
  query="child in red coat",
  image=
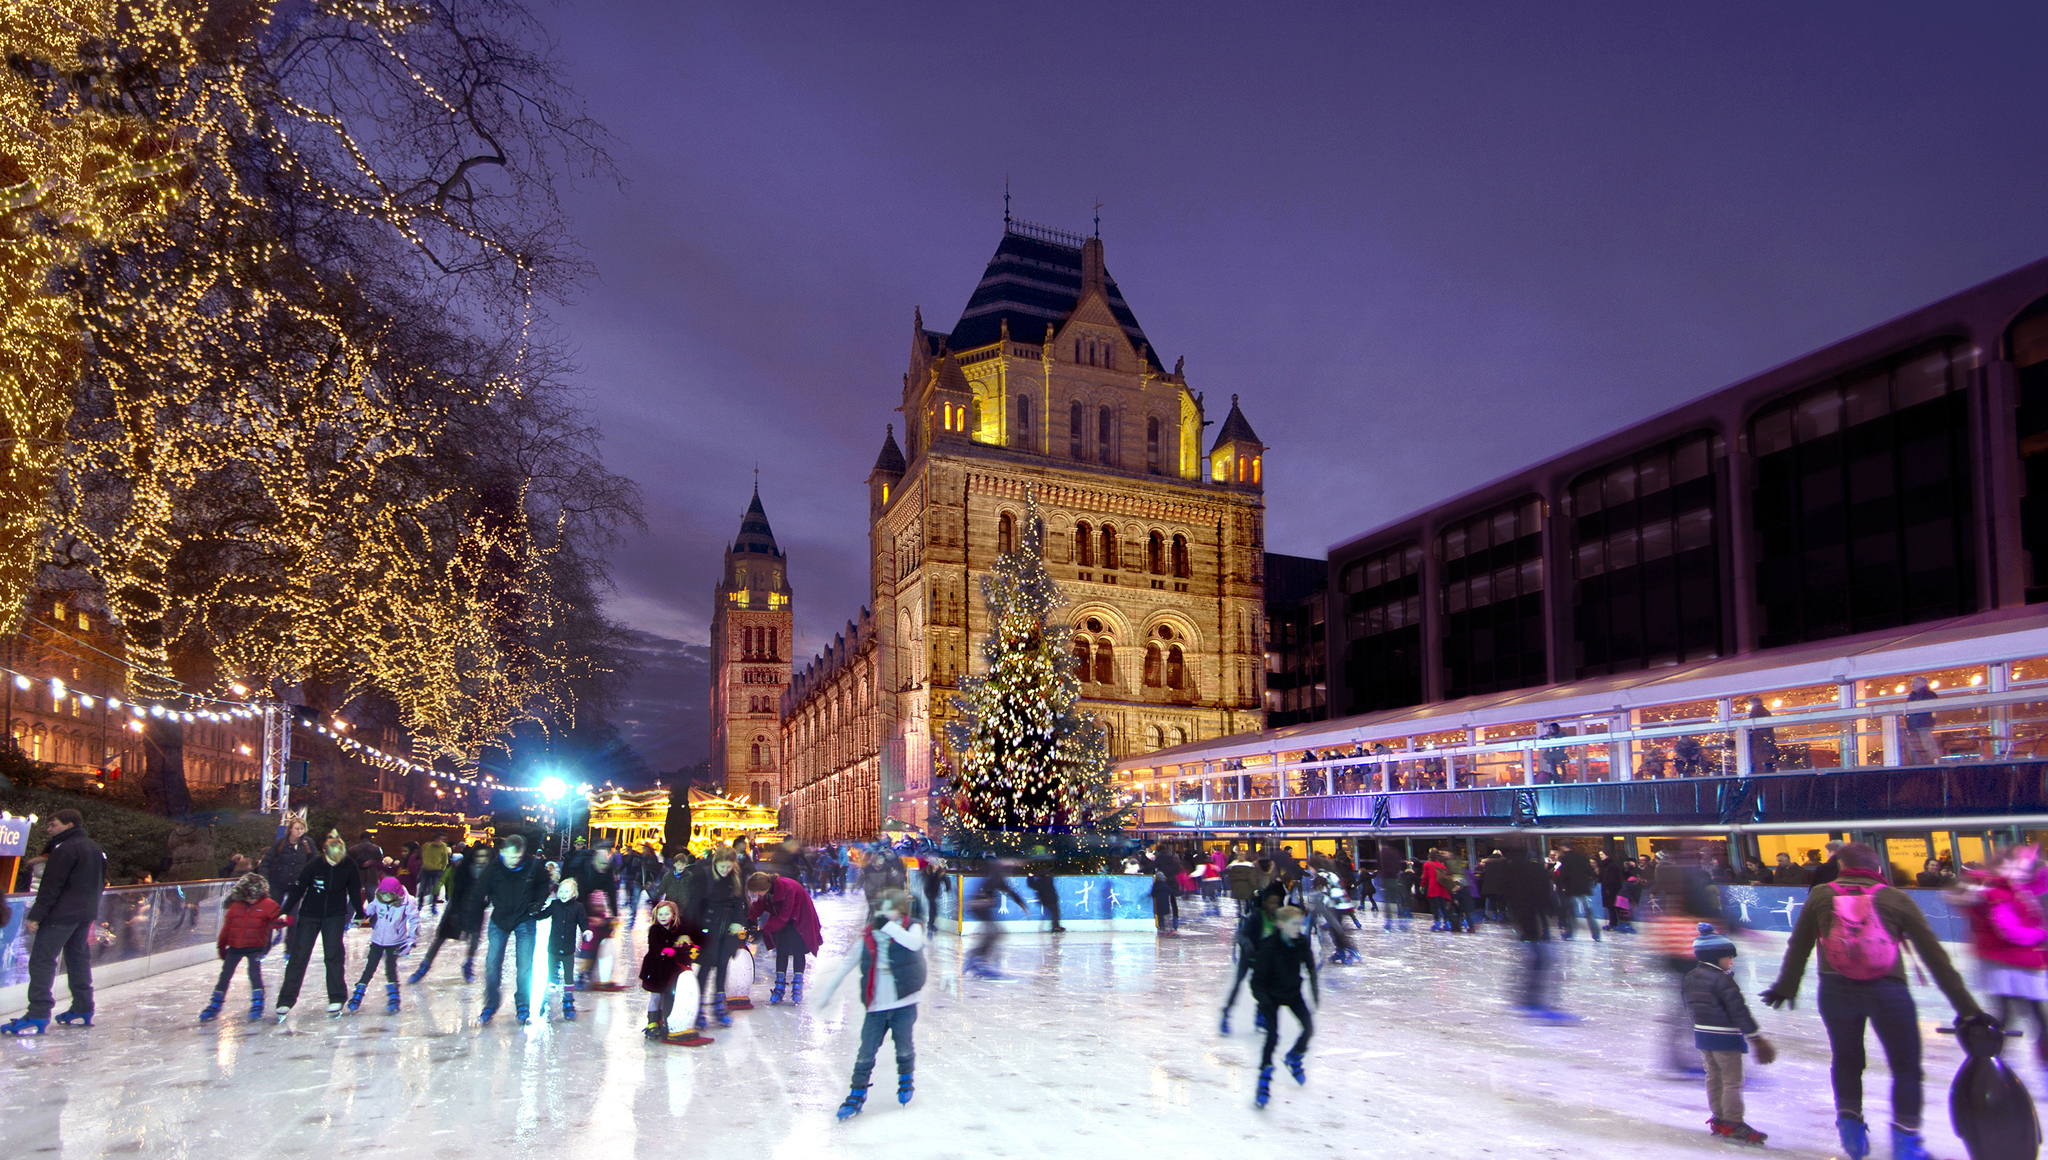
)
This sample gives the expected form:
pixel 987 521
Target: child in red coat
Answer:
pixel 245 937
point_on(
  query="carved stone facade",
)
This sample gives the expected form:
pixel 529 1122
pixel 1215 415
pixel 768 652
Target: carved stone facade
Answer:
pixel 1046 385
pixel 750 637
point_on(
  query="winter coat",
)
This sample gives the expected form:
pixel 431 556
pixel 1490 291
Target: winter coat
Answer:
pixel 325 891
pixel 2007 926
pixel 393 924
pixel 1242 886
pixel 1529 898
pixel 73 880
pixel 1493 878
pixel 1436 880
pixel 713 903
pixel 668 955
pixel 1720 1019
pixel 906 962
pixel 672 887
pixel 1277 965
pixel 284 862
pixel 1575 873
pixel 247 925
pixel 515 895
pixel 583 868
pixel 787 904
pixel 567 924
pixel 434 856
pixel 465 910
pixel 981 905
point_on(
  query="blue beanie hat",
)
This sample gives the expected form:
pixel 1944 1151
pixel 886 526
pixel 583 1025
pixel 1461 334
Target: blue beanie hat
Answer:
pixel 1712 946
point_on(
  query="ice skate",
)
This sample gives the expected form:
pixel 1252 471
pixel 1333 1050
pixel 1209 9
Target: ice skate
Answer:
pixel 355 999
pixel 775 993
pixel 1226 1023
pixel 854 1100
pixel 719 1011
pixel 796 988
pixel 1855 1136
pixel 334 1010
pixel 1295 1068
pixel 213 1006
pixel 391 998
pixel 568 1007
pixel 1907 1145
pixel 414 978
pixel 80 1018
pixel 255 1004
pixel 25 1026
pixel 904 1088
pixel 1265 1086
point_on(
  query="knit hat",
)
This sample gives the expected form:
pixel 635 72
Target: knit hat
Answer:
pixel 390 886
pixel 1712 946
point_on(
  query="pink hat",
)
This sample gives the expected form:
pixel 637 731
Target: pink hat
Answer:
pixel 390 886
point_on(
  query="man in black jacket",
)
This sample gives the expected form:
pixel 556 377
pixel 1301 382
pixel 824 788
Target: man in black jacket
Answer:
pixel 516 887
pixel 1530 906
pixel 325 899
pixel 66 906
pixel 1576 874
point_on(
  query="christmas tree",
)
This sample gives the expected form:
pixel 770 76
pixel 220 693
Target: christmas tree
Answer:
pixel 1029 761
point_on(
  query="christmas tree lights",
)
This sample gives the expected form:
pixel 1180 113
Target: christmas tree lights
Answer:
pixel 1029 760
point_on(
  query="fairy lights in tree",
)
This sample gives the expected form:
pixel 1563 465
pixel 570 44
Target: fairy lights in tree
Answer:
pixel 1028 759
pixel 265 272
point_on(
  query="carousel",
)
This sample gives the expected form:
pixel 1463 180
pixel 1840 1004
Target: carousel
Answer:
pixel 634 818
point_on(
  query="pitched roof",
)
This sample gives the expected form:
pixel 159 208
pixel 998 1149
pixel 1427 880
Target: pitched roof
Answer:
pixel 755 534
pixel 1235 429
pixel 891 458
pixel 1034 279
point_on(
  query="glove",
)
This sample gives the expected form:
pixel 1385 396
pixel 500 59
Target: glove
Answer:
pixel 668 952
pixel 1765 1053
pixel 1774 998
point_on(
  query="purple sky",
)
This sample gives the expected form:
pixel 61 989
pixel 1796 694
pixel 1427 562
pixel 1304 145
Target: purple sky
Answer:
pixel 1426 249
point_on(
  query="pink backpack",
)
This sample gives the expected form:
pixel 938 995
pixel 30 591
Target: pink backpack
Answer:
pixel 1857 945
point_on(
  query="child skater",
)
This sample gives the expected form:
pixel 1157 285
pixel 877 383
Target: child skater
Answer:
pixel 567 929
pixel 890 955
pixel 1278 960
pixel 394 927
pixel 2009 931
pixel 782 908
pixel 1255 925
pixel 245 937
pixel 669 951
pixel 1723 1030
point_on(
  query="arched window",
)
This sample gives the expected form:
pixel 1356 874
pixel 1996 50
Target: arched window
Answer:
pixel 1181 566
pixel 1155 554
pixel 1152 444
pixel 1105 445
pixel 1152 666
pixel 1025 436
pixel 1256 459
pixel 773 643
pixel 1176 668
pixel 757 755
pixel 1074 441
pixel 1082 666
pixel 1006 534
pixel 1109 355
pixel 1084 545
pixel 1105 662
pixel 974 425
pixel 1180 736
pixel 1240 469
pixel 1158 735
pixel 1077 350
pixel 1109 547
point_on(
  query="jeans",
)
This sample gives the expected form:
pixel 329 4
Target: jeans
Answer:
pixel 434 948
pixel 1845 1006
pixel 235 957
pixel 896 1021
pixel 494 966
pixel 73 940
pixel 1581 905
pixel 430 886
pixel 299 952
pixel 1536 972
pixel 1269 1006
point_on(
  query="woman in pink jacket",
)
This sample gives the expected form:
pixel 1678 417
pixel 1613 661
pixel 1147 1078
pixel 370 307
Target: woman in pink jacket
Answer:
pixel 781 909
pixel 2010 933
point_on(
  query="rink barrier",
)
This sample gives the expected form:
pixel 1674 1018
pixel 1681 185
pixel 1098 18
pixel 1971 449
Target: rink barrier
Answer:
pixel 141 931
pixel 1088 902
pixel 1776 908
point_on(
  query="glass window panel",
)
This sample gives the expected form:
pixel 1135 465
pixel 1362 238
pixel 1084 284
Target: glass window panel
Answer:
pixel 1653 475
pixel 1695 529
pixel 1504 583
pixel 1656 540
pixel 1922 379
pixel 1868 399
pixel 1620 485
pixel 1375 573
pixel 1586 497
pixel 1529 520
pixel 1772 433
pixel 1454 598
pixel 1817 415
pixel 1454 544
pixel 1411 560
pixel 1592 559
pixel 1411 610
pixel 1475 536
pixel 1690 462
pixel 1621 549
pixel 1482 589
pixel 1532 576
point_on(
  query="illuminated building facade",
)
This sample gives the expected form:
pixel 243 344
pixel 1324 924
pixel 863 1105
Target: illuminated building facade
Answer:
pixel 1045 386
pixel 750 637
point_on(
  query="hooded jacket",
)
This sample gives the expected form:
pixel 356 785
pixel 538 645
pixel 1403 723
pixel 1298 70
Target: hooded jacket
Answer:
pixel 393 924
pixel 326 890
pixel 515 895
pixel 251 916
pixel 73 880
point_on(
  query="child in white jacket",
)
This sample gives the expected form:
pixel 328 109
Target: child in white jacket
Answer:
pixel 394 927
pixel 890 956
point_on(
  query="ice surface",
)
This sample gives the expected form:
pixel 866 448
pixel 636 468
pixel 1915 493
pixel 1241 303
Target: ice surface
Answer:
pixel 1102 1044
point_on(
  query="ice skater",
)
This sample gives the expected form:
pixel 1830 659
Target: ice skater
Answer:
pixel 670 950
pixel 717 906
pixel 1278 962
pixel 2010 934
pixel 890 957
pixel 981 908
pixel 781 908
pixel 569 934
pixel 516 887
pixel 394 928
pixel 463 920
pixel 1251 929
pixel 245 930
pixel 325 899
pixel 1860 924
pixel 1723 1030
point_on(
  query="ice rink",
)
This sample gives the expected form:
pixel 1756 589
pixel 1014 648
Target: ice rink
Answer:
pixel 1101 1042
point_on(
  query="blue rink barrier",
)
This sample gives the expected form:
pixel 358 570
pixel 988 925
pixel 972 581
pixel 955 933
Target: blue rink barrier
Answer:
pixel 1777 908
pixel 1087 902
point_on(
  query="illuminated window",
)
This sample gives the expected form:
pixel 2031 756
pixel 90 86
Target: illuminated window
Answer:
pixel 1255 467
pixel 1176 667
pixel 1240 469
pixel 885 493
